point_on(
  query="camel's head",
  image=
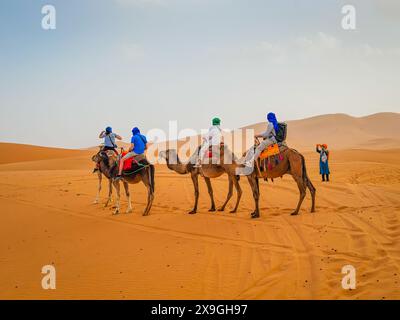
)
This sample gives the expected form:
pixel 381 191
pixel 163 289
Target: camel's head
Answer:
pixel 162 154
pixel 96 158
pixel 167 154
pixel 107 157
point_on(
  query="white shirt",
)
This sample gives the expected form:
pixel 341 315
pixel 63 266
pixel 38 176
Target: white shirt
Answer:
pixel 214 136
pixel 270 132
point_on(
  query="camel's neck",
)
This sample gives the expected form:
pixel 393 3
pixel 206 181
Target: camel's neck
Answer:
pixel 178 167
pixel 109 172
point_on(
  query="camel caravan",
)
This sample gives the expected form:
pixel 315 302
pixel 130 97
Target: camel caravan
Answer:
pixel 269 158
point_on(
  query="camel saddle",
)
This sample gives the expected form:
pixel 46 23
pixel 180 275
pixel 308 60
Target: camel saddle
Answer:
pixel 271 157
pixel 135 165
pixel 270 151
pixel 211 156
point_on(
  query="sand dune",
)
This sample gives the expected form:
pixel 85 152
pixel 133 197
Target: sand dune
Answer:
pixel 340 131
pixel 48 218
pixel 375 132
pixel 12 152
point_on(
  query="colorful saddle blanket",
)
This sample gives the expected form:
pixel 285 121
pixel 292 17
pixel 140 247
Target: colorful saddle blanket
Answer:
pixel 134 165
pixel 271 157
pixel 127 163
pixel 270 151
pixel 214 154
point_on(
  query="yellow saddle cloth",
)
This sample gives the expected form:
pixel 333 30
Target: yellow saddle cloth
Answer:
pixel 270 151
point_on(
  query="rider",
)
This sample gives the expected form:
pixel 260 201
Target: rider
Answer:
pixel 109 139
pixel 109 142
pixel 268 139
pixel 137 147
pixel 213 138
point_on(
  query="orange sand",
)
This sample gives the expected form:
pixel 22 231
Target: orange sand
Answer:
pixel 47 217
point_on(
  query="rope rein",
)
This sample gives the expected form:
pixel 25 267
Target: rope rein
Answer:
pixel 133 172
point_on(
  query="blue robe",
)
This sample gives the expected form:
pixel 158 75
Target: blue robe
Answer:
pixel 323 166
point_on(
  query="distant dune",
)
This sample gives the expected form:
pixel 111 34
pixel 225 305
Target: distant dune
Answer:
pixel 375 132
pixel 340 131
pixel 11 153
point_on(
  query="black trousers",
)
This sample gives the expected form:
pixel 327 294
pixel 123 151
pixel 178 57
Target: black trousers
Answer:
pixel 110 148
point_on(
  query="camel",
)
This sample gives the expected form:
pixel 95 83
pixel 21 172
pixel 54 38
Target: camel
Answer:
pixel 208 171
pixel 292 163
pixel 108 166
pixel 100 178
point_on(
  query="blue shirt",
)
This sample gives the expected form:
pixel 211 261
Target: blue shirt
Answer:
pixel 139 142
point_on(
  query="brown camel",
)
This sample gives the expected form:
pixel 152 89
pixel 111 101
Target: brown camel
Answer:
pixel 293 163
pixel 108 165
pixel 100 178
pixel 208 171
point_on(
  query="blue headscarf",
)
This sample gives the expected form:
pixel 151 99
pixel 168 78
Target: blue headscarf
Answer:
pixel 135 131
pixel 272 118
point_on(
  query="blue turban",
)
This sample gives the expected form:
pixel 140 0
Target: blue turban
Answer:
pixel 135 131
pixel 272 118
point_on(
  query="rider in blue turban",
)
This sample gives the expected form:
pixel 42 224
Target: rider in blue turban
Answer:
pixel 268 139
pixel 272 118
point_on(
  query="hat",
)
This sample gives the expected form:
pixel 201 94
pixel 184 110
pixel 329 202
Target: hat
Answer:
pixel 216 121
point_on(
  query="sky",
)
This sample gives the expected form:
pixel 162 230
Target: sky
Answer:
pixel 126 63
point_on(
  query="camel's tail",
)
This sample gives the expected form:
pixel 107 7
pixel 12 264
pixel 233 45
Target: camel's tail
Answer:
pixel 304 168
pixel 306 179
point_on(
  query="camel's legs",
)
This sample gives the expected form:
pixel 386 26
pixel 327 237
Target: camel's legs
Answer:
pixel 150 198
pixel 211 193
pixel 195 180
pixel 313 191
pixel 117 204
pixel 128 196
pixel 302 189
pixel 150 193
pixel 256 194
pixel 229 195
pixel 238 191
pixel 100 176
pixel 109 192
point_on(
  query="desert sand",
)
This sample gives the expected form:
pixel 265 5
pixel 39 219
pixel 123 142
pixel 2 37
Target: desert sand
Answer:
pixel 48 217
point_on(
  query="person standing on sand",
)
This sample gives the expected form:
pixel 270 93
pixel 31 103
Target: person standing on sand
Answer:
pixel 322 149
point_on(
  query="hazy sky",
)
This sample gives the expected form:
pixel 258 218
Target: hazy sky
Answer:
pixel 141 63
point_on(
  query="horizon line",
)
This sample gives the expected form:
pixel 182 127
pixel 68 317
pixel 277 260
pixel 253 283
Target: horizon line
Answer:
pixel 242 127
